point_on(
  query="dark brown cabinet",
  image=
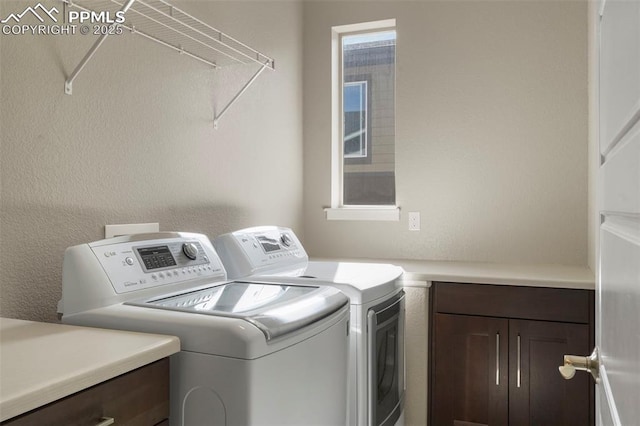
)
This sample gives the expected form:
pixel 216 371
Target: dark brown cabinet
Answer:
pixel 137 398
pixel 471 375
pixel 496 351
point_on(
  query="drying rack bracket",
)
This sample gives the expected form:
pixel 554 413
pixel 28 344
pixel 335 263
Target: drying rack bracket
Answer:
pixel 217 117
pixel 68 84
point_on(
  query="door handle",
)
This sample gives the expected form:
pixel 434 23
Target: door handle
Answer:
pixel 589 363
pixel 518 363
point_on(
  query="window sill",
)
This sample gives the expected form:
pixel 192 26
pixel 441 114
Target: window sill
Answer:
pixel 389 214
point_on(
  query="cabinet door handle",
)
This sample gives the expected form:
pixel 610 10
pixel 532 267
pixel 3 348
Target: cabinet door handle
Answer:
pixel 518 377
pixel 106 421
pixel 497 359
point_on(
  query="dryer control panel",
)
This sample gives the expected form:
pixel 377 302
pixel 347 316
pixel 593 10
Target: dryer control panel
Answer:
pixel 260 250
pixel 136 265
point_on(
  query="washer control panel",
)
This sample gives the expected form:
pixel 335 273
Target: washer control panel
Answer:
pixel 137 265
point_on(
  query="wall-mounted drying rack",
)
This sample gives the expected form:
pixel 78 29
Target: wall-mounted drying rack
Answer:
pixel 159 21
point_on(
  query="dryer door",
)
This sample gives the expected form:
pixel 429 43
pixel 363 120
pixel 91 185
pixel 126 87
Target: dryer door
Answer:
pixel 386 361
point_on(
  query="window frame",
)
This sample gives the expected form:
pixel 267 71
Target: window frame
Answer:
pixel 364 145
pixel 338 210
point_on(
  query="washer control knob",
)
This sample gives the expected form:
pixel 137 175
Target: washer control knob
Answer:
pixel 129 261
pixel 190 250
pixel 285 239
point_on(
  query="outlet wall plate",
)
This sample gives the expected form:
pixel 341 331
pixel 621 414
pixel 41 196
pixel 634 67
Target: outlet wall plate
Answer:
pixel 414 221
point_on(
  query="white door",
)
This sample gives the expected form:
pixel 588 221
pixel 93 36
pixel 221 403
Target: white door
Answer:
pixel 618 281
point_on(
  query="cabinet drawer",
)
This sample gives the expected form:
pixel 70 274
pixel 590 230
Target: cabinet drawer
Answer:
pixel 536 303
pixel 137 398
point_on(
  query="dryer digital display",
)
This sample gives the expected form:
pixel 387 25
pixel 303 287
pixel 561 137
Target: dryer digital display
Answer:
pixel 268 244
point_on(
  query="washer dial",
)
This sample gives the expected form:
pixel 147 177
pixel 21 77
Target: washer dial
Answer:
pixel 190 250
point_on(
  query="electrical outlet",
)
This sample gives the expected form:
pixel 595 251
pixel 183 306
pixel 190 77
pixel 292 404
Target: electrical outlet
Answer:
pixel 414 221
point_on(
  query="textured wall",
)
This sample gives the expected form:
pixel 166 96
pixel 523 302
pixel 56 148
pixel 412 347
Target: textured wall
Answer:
pixel 135 142
pixel 491 131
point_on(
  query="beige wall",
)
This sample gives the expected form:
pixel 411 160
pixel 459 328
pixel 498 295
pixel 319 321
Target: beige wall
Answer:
pixel 135 142
pixel 491 142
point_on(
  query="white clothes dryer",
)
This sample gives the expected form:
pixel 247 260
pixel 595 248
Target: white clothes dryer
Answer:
pixel 252 353
pixel 376 351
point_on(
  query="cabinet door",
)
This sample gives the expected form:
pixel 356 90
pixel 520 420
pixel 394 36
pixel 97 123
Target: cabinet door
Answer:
pixel 538 395
pixel 470 369
pixel 137 398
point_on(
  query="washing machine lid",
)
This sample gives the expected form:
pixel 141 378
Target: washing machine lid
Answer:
pixel 274 308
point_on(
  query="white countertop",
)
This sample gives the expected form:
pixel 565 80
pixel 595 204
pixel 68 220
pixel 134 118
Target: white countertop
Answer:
pixel 423 272
pixel 43 362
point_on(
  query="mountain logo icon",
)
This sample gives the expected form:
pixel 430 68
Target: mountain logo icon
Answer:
pixel 34 11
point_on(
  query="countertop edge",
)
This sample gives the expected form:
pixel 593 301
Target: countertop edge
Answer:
pixel 22 403
pixel 420 273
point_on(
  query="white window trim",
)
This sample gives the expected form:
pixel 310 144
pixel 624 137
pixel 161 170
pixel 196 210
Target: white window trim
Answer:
pixel 338 211
pixel 364 87
pixel 379 213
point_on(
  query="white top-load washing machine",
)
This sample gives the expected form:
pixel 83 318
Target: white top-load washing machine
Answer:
pixel 252 353
pixel 376 354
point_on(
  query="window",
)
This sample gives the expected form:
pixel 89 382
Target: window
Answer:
pixel 363 141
